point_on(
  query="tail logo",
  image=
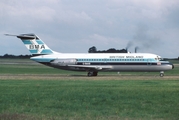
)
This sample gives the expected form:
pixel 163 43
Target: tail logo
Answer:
pixel 36 46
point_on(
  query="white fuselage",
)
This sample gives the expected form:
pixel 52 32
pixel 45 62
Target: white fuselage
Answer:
pixel 105 61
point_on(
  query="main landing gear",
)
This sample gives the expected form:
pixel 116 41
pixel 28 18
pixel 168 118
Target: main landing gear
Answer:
pixel 161 73
pixel 91 73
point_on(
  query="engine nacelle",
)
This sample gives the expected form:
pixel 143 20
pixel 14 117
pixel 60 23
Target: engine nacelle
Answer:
pixel 63 62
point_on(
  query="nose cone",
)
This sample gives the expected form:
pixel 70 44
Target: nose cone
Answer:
pixel 172 66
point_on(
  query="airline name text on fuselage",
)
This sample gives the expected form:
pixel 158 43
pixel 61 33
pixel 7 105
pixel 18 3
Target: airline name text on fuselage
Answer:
pixel 126 57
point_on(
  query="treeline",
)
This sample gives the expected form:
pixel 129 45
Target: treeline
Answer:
pixel 16 56
pixel 111 50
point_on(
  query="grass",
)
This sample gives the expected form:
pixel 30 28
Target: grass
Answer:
pixel 33 91
pixel 63 99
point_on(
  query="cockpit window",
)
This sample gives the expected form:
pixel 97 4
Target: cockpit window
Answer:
pixel 159 58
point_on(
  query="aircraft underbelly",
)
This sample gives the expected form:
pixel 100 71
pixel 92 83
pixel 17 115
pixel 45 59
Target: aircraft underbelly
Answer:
pixel 144 68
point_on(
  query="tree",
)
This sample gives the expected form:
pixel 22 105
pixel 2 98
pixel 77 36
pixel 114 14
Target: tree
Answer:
pixel 111 50
pixel 92 50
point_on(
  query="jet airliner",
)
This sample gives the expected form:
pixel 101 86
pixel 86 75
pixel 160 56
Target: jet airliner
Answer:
pixel 92 63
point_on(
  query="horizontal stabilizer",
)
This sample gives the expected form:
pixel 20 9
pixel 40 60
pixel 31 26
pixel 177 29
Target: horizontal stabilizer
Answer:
pixel 24 36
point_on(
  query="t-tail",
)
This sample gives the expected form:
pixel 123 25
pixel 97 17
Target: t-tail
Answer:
pixel 34 44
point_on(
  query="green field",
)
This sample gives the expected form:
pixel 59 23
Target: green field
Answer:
pixel 33 91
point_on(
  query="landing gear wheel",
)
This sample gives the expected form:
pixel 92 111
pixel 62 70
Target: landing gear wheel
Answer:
pixel 161 74
pixel 92 74
pixel 95 73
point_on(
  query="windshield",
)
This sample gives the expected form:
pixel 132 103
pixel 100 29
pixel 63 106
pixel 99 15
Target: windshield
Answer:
pixel 159 58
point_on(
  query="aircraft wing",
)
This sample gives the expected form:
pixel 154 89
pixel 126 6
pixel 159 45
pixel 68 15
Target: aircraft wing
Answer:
pixel 91 67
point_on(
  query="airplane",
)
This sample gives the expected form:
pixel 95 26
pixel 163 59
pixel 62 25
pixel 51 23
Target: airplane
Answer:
pixel 92 63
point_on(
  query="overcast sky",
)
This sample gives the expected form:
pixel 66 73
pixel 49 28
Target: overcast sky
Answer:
pixel 70 26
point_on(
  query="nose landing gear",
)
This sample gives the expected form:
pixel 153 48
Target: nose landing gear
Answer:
pixel 161 73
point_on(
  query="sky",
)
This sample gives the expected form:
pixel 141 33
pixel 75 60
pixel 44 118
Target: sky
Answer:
pixel 73 26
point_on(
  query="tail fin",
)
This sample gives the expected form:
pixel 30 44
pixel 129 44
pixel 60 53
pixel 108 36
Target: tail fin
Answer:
pixel 34 44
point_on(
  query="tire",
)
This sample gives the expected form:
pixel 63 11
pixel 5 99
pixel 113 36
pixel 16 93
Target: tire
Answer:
pixel 161 74
pixel 90 74
pixel 95 73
